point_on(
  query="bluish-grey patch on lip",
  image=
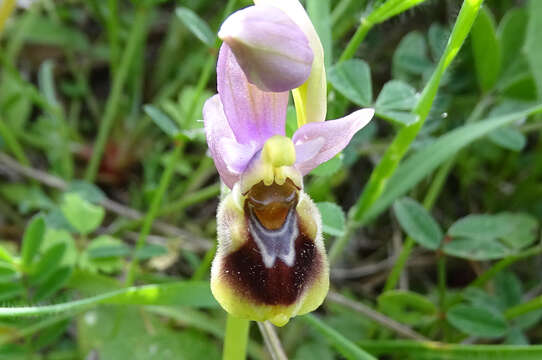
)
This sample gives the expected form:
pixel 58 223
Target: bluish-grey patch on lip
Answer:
pixel 278 243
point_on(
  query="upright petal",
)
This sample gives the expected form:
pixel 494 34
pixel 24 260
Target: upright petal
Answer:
pixel 310 98
pixel 253 115
pixel 230 158
pixel 336 134
pixel 272 50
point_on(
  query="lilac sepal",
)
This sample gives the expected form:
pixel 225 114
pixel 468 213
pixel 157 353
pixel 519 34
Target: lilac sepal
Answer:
pixel 219 133
pixel 334 135
pixel 253 115
pixel 272 50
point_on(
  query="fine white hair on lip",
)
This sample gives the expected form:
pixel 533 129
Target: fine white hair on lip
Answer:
pixel 288 232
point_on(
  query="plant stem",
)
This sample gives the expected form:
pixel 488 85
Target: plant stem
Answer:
pixel 272 341
pixel 395 272
pixel 191 199
pixel 401 143
pixel 12 143
pixel 167 175
pixel 235 343
pixel 347 348
pixel 137 33
pixel 435 350
pixel 6 8
pixel 355 41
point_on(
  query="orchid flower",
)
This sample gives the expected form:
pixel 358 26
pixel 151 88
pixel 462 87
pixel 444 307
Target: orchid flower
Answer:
pixel 271 261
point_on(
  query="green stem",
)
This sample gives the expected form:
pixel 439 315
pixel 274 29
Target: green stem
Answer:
pixel 167 175
pixel 191 199
pixel 395 273
pixel 435 350
pixel 235 343
pixel 521 309
pixel 137 33
pixel 441 281
pixel 401 143
pixel 356 40
pixel 12 143
pixel 347 348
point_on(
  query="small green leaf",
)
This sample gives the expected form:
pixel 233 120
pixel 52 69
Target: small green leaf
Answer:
pixel 32 239
pixel 418 223
pixel 407 307
pixel 151 250
pixel 477 321
pixel 480 249
pixel 396 95
pixel 54 283
pixel 509 138
pixel 401 118
pixel 87 191
pixel 196 25
pixel 48 263
pixel 411 56
pixel 333 219
pixel 514 230
pixel 508 289
pixel 511 34
pixel 162 121
pixel 388 9
pixel 81 214
pixel 437 37
pixel 486 50
pixel 352 79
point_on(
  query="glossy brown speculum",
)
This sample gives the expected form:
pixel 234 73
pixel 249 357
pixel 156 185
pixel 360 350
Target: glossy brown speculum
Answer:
pixel 271 204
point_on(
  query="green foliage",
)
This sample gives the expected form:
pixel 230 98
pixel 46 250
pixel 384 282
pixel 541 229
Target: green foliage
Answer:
pixel 32 239
pixel 477 321
pixel 418 223
pixel 407 307
pixel 333 219
pixel 196 25
pixel 82 215
pixel 352 78
pixel 486 50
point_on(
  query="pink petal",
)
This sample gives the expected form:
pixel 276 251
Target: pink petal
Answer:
pixel 220 140
pixel 253 115
pixel 335 133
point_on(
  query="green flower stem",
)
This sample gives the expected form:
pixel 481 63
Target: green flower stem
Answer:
pixel 6 8
pixel 401 143
pixel 347 348
pixel 137 34
pixel 167 175
pixel 435 350
pixel 235 343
